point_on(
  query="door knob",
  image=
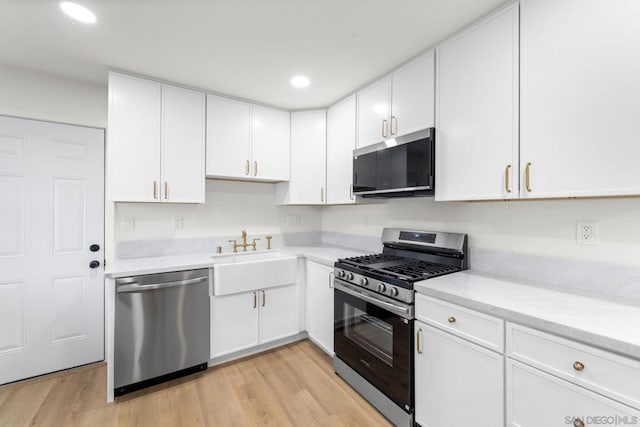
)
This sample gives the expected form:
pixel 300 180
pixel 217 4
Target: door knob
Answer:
pixel 94 248
pixel 94 264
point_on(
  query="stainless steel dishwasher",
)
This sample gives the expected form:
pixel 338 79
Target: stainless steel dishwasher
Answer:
pixel 161 328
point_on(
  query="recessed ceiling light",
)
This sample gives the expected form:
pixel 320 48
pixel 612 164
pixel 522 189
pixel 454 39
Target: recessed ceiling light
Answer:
pixel 300 81
pixel 78 12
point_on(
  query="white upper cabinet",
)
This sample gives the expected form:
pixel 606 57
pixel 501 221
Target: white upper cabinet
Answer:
pixel 133 144
pixel 341 141
pixel 156 142
pixel 373 113
pixel 246 141
pixel 477 111
pixel 307 185
pixel 228 137
pixel 412 97
pixel 271 144
pixel 580 98
pixel 183 144
pixel 399 104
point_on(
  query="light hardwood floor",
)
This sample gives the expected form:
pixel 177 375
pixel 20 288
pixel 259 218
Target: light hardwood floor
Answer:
pixel 292 385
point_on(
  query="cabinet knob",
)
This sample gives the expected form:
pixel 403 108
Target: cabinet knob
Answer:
pixel 578 423
pixel 578 366
pixel 94 248
pixel 94 264
pixel 451 319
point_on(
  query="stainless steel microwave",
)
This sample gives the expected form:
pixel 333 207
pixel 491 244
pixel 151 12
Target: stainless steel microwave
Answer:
pixel 399 167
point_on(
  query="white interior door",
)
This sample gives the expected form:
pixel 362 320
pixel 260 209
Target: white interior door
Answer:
pixel 52 211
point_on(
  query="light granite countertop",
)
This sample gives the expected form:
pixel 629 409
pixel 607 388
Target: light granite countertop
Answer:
pixel 324 254
pixel 611 325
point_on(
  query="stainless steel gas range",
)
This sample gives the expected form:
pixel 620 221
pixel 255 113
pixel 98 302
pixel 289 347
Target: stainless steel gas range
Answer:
pixel 374 314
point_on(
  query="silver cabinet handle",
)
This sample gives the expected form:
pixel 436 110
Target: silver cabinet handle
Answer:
pixel 136 287
pixel 246 168
pixel 507 172
pixel 331 280
pixel 166 190
pixel 264 299
pixel 322 194
pixel 384 128
pixel 155 190
pixel 255 168
pixel 393 120
pixel 255 300
pixel 351 192
pixel 418 341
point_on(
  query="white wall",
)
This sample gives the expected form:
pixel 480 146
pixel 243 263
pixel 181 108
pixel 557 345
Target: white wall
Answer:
pixel 230 207
pixel 530 227
pixel 37 95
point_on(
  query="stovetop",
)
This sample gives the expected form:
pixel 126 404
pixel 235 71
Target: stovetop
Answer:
pixel 397 268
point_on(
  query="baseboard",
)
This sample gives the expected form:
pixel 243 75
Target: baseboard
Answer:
pixel 258 349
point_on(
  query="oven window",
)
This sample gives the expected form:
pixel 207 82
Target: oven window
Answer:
pixel 370 333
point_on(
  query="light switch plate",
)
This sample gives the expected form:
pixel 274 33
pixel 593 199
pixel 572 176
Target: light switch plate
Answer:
pixel 127 224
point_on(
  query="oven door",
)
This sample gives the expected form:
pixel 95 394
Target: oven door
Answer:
pixel 375 338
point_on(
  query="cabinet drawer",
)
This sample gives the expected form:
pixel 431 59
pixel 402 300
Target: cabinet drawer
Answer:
pixel 536 399
pixel 610 374
pixel 480 328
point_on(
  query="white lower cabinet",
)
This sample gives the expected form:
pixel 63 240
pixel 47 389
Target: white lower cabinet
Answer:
pixel 458 383
pixel 535 399
pixel 278 312
pixel 245 320
pixel 319 302
pixel 234 323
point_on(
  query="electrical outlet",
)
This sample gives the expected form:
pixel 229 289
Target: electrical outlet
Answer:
pixel 293 220
pixel 586 232
pixel 127 224
pixel 178 223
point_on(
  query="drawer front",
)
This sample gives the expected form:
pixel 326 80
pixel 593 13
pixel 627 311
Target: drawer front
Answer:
pixel 485 330
pixel 536 399
pixel 615 376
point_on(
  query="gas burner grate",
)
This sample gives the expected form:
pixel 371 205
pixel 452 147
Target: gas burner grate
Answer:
pixel 372 259
pixel 419 270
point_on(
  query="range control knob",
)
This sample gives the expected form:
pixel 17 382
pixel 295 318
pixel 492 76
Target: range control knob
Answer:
pixel 364 281
pixel 349 276
pixel 393 292
pixel 381 287
pixel 341 273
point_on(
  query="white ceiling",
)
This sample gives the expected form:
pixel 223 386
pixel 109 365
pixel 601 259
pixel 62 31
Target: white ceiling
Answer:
pixel 245 48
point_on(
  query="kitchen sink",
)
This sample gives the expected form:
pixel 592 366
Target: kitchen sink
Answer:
pixel 245 272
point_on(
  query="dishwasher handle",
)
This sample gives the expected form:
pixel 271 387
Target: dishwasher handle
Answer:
pixel 136 287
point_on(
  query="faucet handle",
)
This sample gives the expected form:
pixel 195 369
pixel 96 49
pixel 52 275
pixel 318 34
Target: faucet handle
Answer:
pixel 268 242
pixel 254 243
pixel 235 245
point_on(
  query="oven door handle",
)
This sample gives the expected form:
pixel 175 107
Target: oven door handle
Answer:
pixel 396 309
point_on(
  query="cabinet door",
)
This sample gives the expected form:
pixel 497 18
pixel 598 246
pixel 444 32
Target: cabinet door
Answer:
pixel 228 137
pixel 477 111
pixel 373 114
pixel 183 145
pixel 412 97
pixel 133 143
pixel 319 296
pixel 308 158
pixel 278 313
pixel 234 323
pixel 270 144
pixel 341 141
pixel 580 97
pixel 535 398
pixel 457 383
